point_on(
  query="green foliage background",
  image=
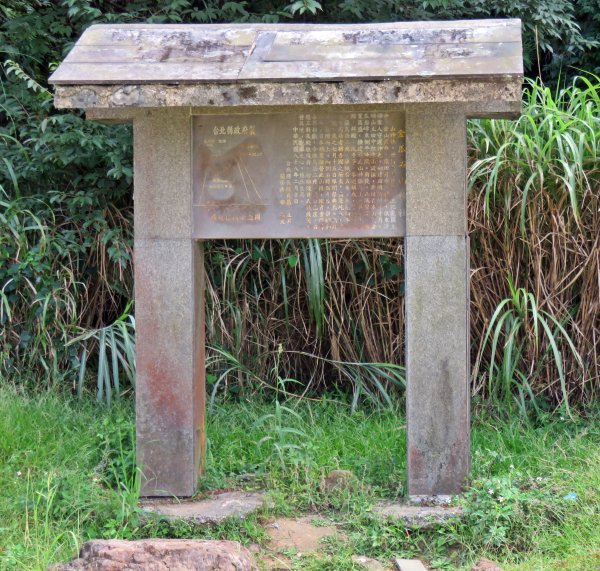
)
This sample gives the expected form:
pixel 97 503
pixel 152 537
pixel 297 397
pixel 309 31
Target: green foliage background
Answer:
pixel 66 213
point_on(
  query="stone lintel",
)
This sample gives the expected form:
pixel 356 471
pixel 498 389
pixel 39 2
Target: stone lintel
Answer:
pixel 470 109
pixel 111 115
pixel 503 94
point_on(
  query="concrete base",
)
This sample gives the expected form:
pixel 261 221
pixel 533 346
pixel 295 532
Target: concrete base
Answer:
pixel 409 565
pixel 439 500
pixel 417 516
pixel 211 510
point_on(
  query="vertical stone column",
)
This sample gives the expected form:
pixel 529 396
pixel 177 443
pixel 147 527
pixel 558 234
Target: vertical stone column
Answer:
pixel 437 292
pixel 169 302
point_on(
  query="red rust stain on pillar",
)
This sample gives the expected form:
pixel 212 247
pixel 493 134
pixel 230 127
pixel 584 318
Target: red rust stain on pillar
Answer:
pixel 416 462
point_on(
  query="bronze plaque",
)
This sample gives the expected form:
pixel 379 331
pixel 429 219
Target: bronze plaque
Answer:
pixel 306 174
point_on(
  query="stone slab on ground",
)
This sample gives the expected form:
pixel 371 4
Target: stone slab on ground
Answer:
pixel 409 565
pixel 417 515
pixel 368 563
pixel 300 534
pixel 161 555
pixel 438 500
pixel 214 509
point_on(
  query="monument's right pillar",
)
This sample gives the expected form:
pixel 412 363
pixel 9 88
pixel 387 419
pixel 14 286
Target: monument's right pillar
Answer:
pixel 437 300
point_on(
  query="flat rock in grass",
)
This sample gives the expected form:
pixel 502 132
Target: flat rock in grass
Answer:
pixel 211 510
pixel 161 555
pixel 417 516
pixel 368 563
pixel 485 565
pixel 409 565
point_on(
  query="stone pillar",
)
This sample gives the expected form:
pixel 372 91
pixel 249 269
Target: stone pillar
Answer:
pixel 437 301
pixel 169 304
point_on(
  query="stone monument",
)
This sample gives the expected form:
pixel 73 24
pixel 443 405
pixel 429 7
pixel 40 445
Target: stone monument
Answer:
pixel 297 131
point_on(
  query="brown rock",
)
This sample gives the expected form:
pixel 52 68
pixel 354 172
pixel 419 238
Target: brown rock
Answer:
pixel 338 480
pixel 161 555
pixel 485 565
pixel 368 563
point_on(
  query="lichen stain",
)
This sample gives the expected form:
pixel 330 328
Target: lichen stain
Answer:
pixel 247 91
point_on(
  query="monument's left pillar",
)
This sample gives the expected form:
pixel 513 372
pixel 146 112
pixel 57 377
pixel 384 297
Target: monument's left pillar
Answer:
pixel 169 307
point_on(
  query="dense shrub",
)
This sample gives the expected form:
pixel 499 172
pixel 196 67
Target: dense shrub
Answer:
pixel 65 223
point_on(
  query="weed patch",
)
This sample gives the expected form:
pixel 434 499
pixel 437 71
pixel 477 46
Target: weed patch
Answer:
pixel 67 474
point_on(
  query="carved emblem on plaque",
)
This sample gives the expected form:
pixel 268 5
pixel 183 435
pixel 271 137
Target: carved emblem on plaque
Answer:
pixel 233 177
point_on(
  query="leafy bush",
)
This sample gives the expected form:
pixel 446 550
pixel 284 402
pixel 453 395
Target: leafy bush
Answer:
pixel 336 306
pixel 499 512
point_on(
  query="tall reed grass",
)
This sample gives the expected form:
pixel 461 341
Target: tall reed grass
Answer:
pixel 534 221
pixel 328 314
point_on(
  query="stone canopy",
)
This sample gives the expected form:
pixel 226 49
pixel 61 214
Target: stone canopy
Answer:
pixel 298 131
pixel 140 65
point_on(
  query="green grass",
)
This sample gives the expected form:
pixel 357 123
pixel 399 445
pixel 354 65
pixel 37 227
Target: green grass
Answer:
pixel 67 475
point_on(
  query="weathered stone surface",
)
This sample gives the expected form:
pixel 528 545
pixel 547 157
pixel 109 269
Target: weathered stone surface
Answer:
pixel 436 167
pixel 256 175
pixel 437 500
pixel 338 480
pixel 162 154
pixel 505 94
pixel 485 565
pixel 161 555
pixel 470 109
pixel 170 392
pixel 437 364
pixel 214 509
pixel 137 54
pixel 169 307
pixel 409 565
pixel 416 516
pixel 436 300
